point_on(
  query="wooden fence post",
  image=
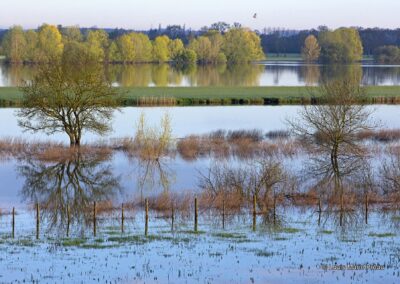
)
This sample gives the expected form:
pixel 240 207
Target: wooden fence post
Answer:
pixel 223 214
pixel 13 223
pixel 319 210
pixel 254 212
pixel 68 220
pixel 37 221
pixel 94 219
pixel 146 225
pixel 366 208
pixel 274 208
pixel 122 218
pixel 172 216
pixel 195 215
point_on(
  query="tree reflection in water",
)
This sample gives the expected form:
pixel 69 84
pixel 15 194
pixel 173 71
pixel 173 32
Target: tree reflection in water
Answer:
pixel 74 182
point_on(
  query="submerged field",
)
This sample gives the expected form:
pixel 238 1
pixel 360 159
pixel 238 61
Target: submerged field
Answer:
pixel 299 248
pixel 11 96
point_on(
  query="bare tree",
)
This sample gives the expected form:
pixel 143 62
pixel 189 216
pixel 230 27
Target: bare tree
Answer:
pixel 70 97
pixel 329 130
pixel 391 175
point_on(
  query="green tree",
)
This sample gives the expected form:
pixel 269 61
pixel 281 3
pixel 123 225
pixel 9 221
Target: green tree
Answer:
pixel 217 41
pixel 126 49
pixel 161 50
pixel 98 44
pixel 142 47
pixel 242 45
pixel 70 97
pixel 311 49
pixel 31 46
pixel 387 54
pixel 114 54
pixel 202 47
pixel 175 47
pixel 49 43
pixel 341 46
pixel 81 50
pixel 186 57
pixel 72 33
pixel 14 45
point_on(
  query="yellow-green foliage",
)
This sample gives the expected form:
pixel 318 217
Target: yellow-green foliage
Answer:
pixel 311 49
pixel 160 49
pixel 242 45
pixel 47 44
pixel 341 46
pixel 153 141
pixel 50 43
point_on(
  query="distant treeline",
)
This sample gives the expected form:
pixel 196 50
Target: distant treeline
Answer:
pixel 219 42
pixel 48 43
pixel 283 41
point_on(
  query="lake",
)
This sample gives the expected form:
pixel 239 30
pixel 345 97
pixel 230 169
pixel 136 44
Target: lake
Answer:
pixel 261 74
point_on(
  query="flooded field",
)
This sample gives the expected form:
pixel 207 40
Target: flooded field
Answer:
pixel 297 248
pixel 193 120
pixel 235 196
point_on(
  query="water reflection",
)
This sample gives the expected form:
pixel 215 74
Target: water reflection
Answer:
pixel 268 74
pixel 67 188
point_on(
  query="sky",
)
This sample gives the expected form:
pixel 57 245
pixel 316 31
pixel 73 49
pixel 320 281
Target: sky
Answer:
pixel 144 14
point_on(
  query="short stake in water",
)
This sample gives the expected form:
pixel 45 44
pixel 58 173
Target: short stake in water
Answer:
pixel 195 215
pixel 94 219
pixel 254 212
pixel 172 216
pixel 146 225
pixel 37 221
pixel 122 218
pixel 68 220
pixel 223 214
pixel 13 223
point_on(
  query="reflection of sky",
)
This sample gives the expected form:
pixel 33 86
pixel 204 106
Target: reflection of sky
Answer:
pixel 269 74
pixel 192 120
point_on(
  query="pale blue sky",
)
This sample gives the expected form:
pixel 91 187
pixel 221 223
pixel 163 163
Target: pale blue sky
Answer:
pixel 143 14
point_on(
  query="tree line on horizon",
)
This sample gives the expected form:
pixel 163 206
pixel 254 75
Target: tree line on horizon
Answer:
pixel 48 43
pixel 218 43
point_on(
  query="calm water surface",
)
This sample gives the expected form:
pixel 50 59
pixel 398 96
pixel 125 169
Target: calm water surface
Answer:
pixel 263 74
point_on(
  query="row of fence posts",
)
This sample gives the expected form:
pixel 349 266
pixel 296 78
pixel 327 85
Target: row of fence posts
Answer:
pixel 254 212
pixel 146 229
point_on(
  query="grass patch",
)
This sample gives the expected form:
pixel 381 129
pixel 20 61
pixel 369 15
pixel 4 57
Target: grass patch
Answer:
pixel 263 253
pixel 348 241
pixel 182 96
pixel 190 232
pixel 382 235
pixel 280 239
pixel 26 243
pixel 96 246
pixel 127 239
pixel 289 230
pixel 72 242
pixel 225 235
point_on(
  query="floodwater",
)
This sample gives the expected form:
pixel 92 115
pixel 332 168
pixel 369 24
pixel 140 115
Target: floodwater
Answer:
pixel 300 243
pixel 193 120
pixel 262 74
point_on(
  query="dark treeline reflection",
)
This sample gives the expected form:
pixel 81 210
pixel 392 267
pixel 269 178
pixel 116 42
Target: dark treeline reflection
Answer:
pixel 67 188
pixel 161 75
